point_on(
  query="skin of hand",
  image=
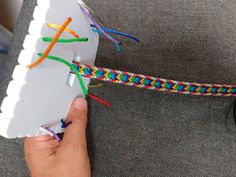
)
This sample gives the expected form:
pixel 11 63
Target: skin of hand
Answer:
pixel 46 157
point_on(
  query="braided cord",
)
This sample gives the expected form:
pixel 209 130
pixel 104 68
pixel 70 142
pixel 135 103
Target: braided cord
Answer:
pixel 148 82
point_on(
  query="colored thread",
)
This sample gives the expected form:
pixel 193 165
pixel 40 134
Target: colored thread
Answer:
pixel 148 82
pixel 74 69
pixel 81 3
pixel 100 100
pixel 48 39
pixel 54 134
pixel 85 91
pixel 51 45
pixel 55 26
pixel 87 13
pixel 95 85
pixel 50 132
pixel 109 37
pixel 115 32
pixel 64 124
pixel 118 48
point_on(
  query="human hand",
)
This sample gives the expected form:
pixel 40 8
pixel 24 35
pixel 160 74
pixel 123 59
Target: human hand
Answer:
pixel 46 157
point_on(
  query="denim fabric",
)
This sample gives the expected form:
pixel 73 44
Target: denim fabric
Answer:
pixel 149 133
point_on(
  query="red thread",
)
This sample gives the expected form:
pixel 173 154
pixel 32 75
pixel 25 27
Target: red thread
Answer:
pixel 76 62
pixel 99 100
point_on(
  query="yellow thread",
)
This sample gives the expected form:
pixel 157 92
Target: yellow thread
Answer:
pixel 95 85
pixel 55 26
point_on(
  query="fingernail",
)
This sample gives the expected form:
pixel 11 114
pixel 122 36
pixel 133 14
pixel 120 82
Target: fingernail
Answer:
pixel 80 104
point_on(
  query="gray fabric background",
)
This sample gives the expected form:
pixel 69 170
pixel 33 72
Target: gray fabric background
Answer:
pixel 148 133
pixel 2 59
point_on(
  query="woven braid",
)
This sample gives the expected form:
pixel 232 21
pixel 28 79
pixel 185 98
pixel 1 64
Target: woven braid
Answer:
pixel 148 82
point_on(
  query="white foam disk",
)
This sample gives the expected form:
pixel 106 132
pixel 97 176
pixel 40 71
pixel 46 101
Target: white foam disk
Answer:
pixel 42 96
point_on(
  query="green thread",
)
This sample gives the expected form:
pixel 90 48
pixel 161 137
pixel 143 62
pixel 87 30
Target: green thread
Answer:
pixel 190 88
pixel 122 77
pixel 48 39
pixel 110 75
pixel 85 91
pixel 132 79
pixel 178 87
pixel 223 90
pixel 165 85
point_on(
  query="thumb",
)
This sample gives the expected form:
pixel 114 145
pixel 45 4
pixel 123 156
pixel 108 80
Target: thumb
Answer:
pixel 75 133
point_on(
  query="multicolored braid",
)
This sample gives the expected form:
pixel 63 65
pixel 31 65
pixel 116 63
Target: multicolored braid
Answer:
pixel 148 82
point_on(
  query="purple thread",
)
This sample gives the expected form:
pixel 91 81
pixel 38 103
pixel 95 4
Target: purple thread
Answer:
pixel 54 134
pixel 87 13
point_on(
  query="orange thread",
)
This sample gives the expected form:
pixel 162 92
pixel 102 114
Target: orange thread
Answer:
pixel 51 45
pixel 55 26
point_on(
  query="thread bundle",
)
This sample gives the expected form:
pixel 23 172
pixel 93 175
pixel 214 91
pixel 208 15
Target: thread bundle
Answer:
pixel 148 82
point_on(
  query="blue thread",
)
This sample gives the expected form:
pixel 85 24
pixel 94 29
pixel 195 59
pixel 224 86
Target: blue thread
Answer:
pixel 193 88
pixel 234 91
pixel 113 76
pixel 125 78
pixel 64 124
pixel 224 90
pixel 181 88
pixel 117 46
pixel 204 90
pixel 99 32
pixel 115 32
pixel 147 82
pixel 100 73
pixel 137 80
pixel 87 71
pixel 169 86
pixel 158 84
pixel 214 90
